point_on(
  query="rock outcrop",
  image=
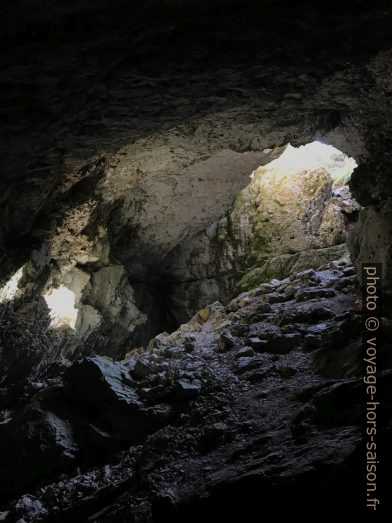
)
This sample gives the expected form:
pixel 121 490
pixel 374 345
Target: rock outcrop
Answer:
pixel 263 395
pixel 132 156
pixel 128 134
pixel 295 213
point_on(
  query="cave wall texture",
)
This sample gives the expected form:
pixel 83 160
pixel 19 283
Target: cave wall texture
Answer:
pixel 126 130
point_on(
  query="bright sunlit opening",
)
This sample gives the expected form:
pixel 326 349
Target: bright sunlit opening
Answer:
pixel 62 311
pixel 313 156
pixel 10 289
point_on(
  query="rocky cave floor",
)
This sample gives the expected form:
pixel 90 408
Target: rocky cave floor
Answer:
pixel 244 406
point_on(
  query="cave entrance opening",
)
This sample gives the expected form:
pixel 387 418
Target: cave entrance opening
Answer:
pixel 294 214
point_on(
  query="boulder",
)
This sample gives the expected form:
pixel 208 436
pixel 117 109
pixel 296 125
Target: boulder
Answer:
pixel 104 392
pixel 38 443
pixel 187 389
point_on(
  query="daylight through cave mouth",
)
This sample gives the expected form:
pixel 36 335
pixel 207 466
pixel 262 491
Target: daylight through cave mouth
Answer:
pixel 294 214
pixel 191 192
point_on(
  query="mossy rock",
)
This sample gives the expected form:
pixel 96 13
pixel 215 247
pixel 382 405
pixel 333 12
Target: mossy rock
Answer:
pixel 282 266
pixel 316 258
pixel 276 267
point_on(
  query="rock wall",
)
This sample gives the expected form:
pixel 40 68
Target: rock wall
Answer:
pixel 262 396
pixel 128 129
pixel 287 218
pixel 370 241
pixel 120 143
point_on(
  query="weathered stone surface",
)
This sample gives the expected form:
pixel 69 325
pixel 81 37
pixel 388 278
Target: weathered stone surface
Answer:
pixel 258 344
pixel 245 352
pixel 371 241
pixel 125 167
pixel 120 406
pixel 209 421
pixel 278 224
pixel 188 389
pixel 38 444
pixel 124 134
pixel 247 363
pixel 286 372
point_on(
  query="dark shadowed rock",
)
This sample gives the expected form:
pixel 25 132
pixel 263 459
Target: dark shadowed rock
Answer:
pixel 103 388
pixel 246 364
pixel 258 344
pixel 38 443
pixel 286 372
pixel 245 352
pixel 187 389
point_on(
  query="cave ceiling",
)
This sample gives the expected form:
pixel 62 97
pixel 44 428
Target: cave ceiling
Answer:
pixel 162 91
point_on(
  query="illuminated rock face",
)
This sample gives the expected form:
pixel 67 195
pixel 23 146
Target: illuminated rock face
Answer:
pixel 291 216
pixel 113 161
pixel 127 134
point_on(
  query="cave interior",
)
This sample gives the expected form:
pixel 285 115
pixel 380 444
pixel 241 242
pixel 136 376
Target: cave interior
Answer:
pixel 194 199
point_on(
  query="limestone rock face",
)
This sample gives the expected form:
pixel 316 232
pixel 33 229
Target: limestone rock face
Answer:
pixel 128 132
pixel 371 241
pixel 282 266
pixel 110 293
pixel 121 410
pixel 126 149
pixel 118 162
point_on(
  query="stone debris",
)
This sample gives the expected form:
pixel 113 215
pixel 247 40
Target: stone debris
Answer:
pixel 188 391
pixel 180 401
